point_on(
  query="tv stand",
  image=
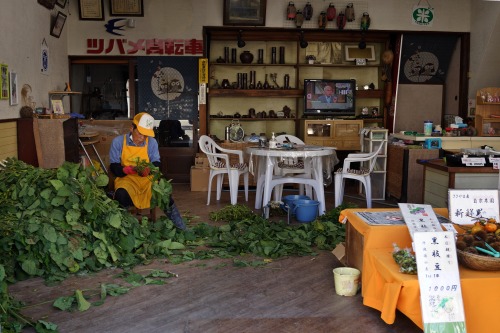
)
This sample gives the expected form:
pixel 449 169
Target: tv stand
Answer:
pixel 339 133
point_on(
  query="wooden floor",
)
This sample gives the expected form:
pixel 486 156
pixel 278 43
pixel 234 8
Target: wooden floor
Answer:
pixel 293 294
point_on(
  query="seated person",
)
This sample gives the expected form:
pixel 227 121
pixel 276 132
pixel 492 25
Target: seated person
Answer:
pixel 327 96
pixel 131 188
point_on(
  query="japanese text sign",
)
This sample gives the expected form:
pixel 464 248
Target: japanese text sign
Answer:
pixel 466 206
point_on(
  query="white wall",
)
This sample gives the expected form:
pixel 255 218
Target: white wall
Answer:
pixel 24 25
pixel 186 18
pixel 485 46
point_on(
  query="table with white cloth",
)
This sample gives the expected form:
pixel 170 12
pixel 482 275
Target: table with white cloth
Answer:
pixel 321 159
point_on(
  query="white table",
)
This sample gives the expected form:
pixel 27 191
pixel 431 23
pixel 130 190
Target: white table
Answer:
pixel 266 179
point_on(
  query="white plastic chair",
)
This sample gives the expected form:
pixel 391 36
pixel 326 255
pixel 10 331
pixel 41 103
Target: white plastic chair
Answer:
pixel 292 167
pixel 367 163
pixel 220 165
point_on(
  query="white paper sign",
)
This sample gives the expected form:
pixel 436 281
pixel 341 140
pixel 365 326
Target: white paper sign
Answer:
pixel 466 206
pixel 420 218
pixel 474 161
pixel 495 161
pixel 440 292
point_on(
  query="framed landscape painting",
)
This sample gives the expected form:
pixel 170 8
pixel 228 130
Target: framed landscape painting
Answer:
pixel 243 12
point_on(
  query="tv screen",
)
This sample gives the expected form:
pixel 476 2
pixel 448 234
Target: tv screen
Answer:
pixel 329 97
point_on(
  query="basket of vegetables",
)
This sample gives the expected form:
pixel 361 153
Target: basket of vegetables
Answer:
pixel 478 247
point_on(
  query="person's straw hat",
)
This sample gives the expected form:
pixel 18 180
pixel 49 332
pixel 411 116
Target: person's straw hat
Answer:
pixel 145 123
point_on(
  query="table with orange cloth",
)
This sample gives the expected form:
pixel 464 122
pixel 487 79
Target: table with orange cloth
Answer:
pixel 386 289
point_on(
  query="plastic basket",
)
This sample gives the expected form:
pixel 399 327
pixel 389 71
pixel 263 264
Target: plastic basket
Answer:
pixel 305 210
pixel 289 200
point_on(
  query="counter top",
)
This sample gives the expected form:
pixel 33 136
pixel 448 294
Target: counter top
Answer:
pixel 422 138
pixel 439 164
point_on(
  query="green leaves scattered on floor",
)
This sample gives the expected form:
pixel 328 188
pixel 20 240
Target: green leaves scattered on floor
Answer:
pixel 80 300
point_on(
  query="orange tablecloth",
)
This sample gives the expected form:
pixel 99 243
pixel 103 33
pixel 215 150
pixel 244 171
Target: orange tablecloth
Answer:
pixel 386 289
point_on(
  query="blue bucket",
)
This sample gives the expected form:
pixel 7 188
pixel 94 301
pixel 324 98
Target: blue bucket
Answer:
pixel 289 201
pixel 305 210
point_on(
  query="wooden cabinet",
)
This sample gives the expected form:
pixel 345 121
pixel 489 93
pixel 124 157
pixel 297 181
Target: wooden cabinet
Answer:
pixel 26 141
pixel 488 112
pixel 342 134
pixel 267 94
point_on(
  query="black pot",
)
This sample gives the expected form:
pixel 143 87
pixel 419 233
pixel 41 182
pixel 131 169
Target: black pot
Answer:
pixel 246 57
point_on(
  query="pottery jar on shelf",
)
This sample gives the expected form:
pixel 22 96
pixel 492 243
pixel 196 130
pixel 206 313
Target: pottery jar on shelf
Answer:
pixel 246 57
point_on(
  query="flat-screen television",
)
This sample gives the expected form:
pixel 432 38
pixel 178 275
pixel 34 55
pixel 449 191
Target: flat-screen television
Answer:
pixel 329 97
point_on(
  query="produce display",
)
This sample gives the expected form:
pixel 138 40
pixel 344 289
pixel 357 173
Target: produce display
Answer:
pixel 483 233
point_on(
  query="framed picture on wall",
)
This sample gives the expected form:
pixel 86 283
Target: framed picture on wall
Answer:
pixel 61 3
pixel 57 106
pixel 4 81
pixel 126 8
pixel 243 12
pixel 58 25
pixel 92 10
pixel 13 89
pixel 49 4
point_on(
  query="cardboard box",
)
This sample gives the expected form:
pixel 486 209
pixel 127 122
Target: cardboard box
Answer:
pixel 339 253
pixel 201 161
pixel 199 179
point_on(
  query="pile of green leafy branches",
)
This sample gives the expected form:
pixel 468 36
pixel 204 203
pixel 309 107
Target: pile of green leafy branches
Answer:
pixel 59 222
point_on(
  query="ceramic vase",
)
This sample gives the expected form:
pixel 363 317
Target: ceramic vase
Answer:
pixel 246 57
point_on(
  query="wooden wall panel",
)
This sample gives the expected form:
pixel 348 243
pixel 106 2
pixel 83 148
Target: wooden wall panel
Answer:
pixel 8 140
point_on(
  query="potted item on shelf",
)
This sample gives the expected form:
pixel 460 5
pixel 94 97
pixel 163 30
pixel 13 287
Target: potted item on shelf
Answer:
pixel 310 59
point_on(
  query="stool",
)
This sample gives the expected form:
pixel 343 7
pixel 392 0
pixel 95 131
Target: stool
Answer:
pixel 90 139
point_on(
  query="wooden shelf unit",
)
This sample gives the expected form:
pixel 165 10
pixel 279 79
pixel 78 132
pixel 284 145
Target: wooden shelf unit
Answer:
pixel 488 113
pixel 223 104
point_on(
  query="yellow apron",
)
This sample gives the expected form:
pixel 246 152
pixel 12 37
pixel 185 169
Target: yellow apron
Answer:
pixel 139 188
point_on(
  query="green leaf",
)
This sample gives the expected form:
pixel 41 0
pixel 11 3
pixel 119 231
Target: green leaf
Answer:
pixel 57 184
pixel 57 215
pixel 34 205
pixel 43 326
pixel 127 243
pixel 58 201
pixel 2 273
pixel 49 233
pixel 64 303
pixel 73 216
pixel 30 267
pixel 170 245
pixel 150 281
pixel 116 290
pixel 83 304
pixel 102 180
pixel 113 252
pixel 89 205
pixel 62 173
pixel 115 220
pixel 65 191
pixel 46 193
pixel 101 255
